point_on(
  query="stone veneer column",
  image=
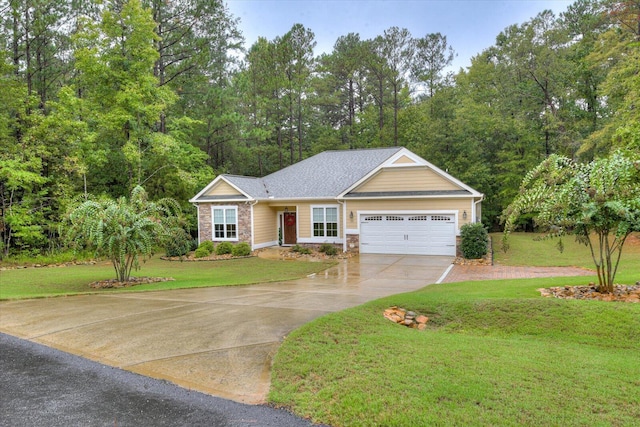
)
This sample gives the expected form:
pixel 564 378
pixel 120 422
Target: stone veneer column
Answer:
pixel 206 221
pixel 205 225
pixel 353 243
pixel 244 223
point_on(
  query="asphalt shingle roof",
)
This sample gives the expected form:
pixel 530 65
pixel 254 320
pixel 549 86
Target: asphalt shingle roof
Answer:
pixel 325 175
pixel 254 187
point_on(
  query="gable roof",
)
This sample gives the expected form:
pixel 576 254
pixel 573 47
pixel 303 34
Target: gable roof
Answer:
pixel 328 175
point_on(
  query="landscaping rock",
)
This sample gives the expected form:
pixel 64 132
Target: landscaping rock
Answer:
pixel 133 281
pixel 63 264
pixel 624 293
pixel 409 319
pixel 285 253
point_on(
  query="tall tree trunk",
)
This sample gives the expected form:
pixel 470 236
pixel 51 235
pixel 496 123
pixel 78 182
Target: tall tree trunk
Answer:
pixel 380 107
pixel 27 48
pixel 299 127
pixel 291 118
pixel 279 136
pixel 159 68
pixel 395 115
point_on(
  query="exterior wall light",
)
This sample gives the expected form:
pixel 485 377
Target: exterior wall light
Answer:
pixel 464 215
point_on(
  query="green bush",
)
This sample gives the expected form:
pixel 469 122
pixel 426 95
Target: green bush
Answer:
pixel 474 241
pixel 328 249
pixel 179 243
pixel 241 249
pixel 224 248
pixel 207 245
pixel 201 253
pixel 301 250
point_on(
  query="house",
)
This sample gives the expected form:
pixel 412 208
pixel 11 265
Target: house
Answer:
pixel 383 200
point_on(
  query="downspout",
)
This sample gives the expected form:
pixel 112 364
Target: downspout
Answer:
pixel 475 209
pixel 344 225
pixel 198 220
pixel 251 205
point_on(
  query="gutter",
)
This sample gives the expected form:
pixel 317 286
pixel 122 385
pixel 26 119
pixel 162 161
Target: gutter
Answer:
pixel 475 208
pixel 344 224
pixel 251 204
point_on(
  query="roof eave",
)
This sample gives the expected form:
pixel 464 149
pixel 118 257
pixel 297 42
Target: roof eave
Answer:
pixel 437 196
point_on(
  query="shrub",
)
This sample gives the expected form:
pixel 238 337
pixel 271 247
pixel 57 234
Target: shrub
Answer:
pixel 224 248
pixel 207 245
pixel 241 249
pixel 201 253
pixel 474 240
pixel 179 243
pixel 301 250
pixel 328 249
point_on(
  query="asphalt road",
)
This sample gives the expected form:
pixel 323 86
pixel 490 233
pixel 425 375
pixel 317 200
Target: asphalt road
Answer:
pixel 41 386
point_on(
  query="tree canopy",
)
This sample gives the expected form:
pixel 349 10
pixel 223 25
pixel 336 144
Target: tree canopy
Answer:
pixel 597 202
pixel 101 96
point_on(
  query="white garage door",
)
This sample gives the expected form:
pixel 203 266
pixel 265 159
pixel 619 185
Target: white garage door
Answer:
pixel 425 234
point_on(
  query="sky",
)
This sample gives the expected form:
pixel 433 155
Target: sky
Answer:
pixel 469 25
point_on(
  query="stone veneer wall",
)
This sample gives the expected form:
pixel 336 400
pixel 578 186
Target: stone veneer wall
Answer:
pixel 206 222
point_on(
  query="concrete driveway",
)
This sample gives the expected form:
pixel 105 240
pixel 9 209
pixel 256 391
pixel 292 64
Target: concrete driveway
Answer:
pixel 219 341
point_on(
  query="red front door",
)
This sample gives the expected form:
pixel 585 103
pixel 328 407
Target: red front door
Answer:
pixel 290 234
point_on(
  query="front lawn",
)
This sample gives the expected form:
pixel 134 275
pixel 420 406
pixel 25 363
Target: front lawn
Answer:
pixel 495 353
pixel 529 249
pixel 52 281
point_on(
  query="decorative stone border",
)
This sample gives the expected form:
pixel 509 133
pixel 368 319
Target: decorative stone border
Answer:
pixel 133 281
pixel 54 265
pixel 624 293
pixel 191 258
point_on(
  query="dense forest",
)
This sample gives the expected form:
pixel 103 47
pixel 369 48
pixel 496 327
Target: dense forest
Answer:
pixel 97 97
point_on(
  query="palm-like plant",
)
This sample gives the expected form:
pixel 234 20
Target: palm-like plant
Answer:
pixel 123 230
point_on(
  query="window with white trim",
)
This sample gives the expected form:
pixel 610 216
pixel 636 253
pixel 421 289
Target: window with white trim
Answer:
pixel 225 222
pixel 325 221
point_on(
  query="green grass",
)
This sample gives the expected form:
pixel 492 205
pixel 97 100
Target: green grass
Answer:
pixel 529 249
pixel 53 281
pixel 495 353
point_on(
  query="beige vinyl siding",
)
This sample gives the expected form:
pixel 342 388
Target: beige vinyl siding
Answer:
pixel 304 217
pixel 304 220
pixel 391 205
pixel 406 179
pixel 265 226
pixel 403 160
pixel 222 188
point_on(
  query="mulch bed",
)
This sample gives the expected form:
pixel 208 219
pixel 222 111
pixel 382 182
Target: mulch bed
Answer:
pixel 133 281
